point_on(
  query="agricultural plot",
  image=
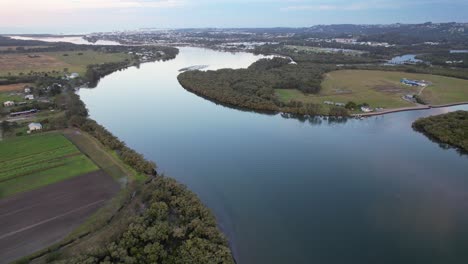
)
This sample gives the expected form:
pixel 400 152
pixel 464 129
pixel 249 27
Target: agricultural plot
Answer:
pixel 55 62
pixel 14 87
pixel 31 162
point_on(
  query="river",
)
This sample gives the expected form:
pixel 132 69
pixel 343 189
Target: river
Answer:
pixel 291 191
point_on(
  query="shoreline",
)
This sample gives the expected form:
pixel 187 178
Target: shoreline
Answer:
pixel 275 112
pixel 406 109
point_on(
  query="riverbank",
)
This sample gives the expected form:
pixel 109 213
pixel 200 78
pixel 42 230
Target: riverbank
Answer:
pixel 446 129
pixel 199 235
pixel 404 109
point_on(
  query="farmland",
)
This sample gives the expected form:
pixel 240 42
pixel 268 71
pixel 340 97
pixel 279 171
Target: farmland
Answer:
pixel 10 96
pixel 13 87
pixel 31 162
pixel 54 62
pixel 380 89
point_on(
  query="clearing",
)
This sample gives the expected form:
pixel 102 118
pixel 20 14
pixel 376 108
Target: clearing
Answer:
pixel 14 87
pixel 34 161
pixel 381 89
pixel 55 62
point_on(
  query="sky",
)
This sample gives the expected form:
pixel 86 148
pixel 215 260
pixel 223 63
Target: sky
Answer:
pixel 85 16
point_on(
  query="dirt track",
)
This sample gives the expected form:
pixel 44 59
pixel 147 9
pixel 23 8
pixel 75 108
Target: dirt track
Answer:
pixel 34 220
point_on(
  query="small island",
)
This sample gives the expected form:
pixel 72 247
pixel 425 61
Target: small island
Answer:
pixel 450 128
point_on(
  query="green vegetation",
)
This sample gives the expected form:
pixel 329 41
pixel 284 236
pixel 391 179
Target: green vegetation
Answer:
pixel 56 63
pixel 309 49
pixel 445 58
pixel 381 89
pixel 450 128
pixel 35 161
pixel 172 226
pixel 295 88
pixel 79 60
pixel 153 220
pixel 9 96
pixel 254 87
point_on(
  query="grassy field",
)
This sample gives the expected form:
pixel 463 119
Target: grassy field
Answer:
pixel 31 162
pixel 9 96
pixel 15 64
pixel 323 50
pixel 380 89
pixel 106 159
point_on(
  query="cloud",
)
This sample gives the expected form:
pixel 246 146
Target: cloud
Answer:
pixel 59 5
pixel 352 5
pixel 345 5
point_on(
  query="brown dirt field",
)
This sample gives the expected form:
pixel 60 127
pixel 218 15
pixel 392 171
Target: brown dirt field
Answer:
pixel 13 87
pixel 37 219
pixel 22 62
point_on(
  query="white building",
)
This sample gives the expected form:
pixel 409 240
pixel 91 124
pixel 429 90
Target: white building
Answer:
pixel 8 103
pixel 34 126
pixel 27 90
pixel 366 109
pixel 29 97
pixel 73 75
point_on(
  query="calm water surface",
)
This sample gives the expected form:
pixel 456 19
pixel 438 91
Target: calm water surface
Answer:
pixel 286 191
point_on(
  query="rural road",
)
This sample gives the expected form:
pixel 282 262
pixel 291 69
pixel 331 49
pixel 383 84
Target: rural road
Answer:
pixel 34 220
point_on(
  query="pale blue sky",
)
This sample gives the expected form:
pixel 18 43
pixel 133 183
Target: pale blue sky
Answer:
pixel 81 16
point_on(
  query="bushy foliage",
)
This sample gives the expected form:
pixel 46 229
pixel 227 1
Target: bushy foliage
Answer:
pixel 254 87
pixel 174 228
pixel 451 128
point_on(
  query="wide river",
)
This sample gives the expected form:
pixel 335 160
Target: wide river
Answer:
pixel 291 191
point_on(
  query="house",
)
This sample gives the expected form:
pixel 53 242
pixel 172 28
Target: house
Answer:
pixel 27 90
pixel 29 97
pixel 328 102
pixel 35 126
pixel 73 75
pixel 340 104
pixel 8 103
pixel 366 109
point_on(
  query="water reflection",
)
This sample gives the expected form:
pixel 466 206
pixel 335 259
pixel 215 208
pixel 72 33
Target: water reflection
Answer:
pixel 288 190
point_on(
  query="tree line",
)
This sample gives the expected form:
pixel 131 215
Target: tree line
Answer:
pixel 450 128
pixel 170 226
pixel 254 87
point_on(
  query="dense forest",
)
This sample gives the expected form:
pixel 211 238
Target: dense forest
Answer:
pixel 451 128
pixel 254 87
pixel 172 227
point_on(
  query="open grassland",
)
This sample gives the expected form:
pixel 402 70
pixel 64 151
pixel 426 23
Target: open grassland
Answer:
pixel 30 162
pixel 380 89
pixel 55 62
pixel 445 90
pixel 323 50
pixel 104 158
pixel 10 96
